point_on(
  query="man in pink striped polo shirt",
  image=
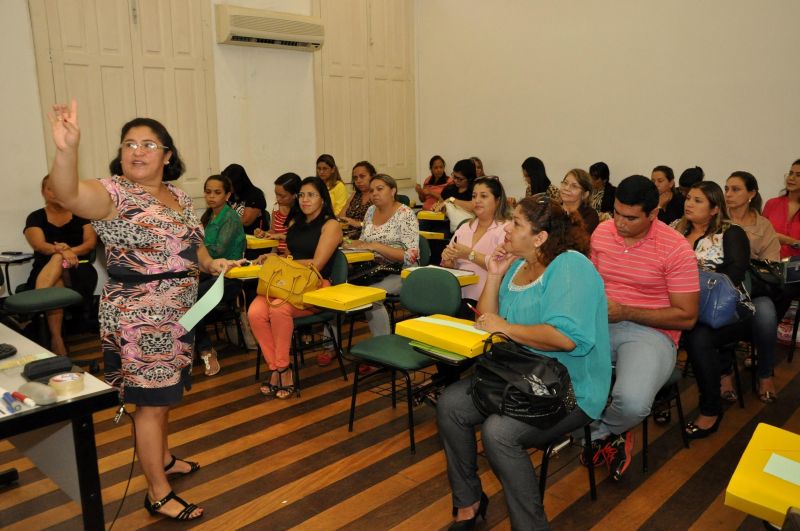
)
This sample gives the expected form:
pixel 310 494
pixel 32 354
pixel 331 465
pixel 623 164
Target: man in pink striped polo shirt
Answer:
pixel 651 281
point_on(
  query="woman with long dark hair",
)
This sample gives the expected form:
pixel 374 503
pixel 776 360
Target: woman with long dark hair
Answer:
pixel 784 213
pixel 329 173
pixel 430 192
pixel 722 247
pixel 312 239
pixel 247 199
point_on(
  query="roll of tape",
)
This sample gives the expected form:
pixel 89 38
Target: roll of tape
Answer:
pixel 67 383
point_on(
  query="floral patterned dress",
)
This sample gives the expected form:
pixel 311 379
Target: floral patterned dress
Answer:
pixel 145 350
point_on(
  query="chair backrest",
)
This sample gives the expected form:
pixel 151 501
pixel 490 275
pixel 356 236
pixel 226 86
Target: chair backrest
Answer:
pixel 339 271
pixel 424 251
pixel 428 291
pixel 403 199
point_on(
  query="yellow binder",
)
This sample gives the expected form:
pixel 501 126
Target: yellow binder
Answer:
pixel 754 487
pixel 445 332
pixel 250 271
pixel 354 257
pixel 431 216
pixel 465 278
pixel 259 243
pixel 343 297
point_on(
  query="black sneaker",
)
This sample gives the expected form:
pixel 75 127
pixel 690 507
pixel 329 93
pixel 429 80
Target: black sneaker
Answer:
pixel 598 453
pixel 618 454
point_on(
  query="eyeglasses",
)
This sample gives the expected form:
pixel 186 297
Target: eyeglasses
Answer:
pixel 792 174
pixel 570 186
pixel 147 146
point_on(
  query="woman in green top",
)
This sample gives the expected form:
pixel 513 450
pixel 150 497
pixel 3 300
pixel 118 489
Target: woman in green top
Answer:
pixel 224 238
pixel 544 293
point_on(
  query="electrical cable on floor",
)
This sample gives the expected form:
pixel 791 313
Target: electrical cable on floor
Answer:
pixel 117 418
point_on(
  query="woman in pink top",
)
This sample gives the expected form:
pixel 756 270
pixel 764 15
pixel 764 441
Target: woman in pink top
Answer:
pixel 475 240
pixel 430 192
pixel 783 213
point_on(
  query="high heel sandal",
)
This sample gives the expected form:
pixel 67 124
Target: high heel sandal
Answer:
pixel 267 388
pixel 282 392
pixel 695 432
pixel 194 466
pixel 460 525
pixel 185 514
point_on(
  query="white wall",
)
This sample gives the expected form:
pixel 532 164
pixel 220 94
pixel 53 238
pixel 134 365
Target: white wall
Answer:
pixel 634 83
pixel 265 105
pixel 21 137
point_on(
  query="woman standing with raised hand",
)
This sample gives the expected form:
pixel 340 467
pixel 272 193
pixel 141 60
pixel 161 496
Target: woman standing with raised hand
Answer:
pixel 155 251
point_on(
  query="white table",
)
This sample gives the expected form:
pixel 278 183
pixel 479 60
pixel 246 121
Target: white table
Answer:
pixel 50 435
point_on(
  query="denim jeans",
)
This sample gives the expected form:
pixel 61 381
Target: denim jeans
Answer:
pixel 644 359
pixel 505 441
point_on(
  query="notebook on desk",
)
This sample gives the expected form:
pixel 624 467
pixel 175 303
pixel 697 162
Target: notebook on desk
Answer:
pixel 465 278
pixel 444 332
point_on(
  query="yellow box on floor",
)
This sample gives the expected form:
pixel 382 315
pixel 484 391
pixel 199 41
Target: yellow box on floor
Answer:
pixel 343 297
pixel 758 492
pixel 448 333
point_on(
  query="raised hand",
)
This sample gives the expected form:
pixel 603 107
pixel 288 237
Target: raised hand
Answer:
pixel 64 122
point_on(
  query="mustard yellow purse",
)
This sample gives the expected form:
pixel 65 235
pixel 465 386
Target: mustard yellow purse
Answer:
pixel 284 279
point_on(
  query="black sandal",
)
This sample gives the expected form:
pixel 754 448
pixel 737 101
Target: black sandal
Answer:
pixel 194 466
pixel 662 415
pixel 185 514
pixel 283 392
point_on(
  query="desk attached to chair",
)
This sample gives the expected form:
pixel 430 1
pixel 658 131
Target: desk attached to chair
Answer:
pixel 260 243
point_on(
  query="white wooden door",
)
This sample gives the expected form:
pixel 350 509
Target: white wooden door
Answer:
pixel 365 85
pixel 127 58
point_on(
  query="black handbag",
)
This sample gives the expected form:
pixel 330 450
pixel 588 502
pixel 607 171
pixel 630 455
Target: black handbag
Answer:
pixel 513 381
pixel 368 273
pixel 766 279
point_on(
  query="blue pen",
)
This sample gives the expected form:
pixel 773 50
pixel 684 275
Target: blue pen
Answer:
pixel 13 405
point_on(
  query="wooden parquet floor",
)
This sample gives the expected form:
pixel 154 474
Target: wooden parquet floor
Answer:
pixel 272 464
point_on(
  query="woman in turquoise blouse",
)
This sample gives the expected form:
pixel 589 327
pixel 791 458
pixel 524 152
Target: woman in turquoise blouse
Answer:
pixel 544 293
pixel 224 238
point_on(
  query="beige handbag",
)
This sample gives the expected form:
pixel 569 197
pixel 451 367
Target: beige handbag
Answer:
pixel 284 279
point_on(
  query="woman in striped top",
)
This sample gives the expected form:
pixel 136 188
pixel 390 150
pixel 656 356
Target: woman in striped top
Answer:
pixel 286 188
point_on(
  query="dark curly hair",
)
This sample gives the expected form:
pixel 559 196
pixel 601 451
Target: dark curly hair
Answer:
pixel 565 230
pixel 173 170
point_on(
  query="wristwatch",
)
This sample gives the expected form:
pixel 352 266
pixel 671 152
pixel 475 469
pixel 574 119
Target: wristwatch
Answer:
pixel 471 256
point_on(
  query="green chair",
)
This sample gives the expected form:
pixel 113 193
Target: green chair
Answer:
pixel 36 303
pixel 392 300
pixel 324 317
pixel 425 292
pixel 404 199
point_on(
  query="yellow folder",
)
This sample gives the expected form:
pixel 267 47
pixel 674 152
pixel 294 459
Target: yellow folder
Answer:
pixel 465 278
pixel 250 271
pixel 754 487
pixel 344 297
pixel 445 332
pixel 259 243
pixel 431 216
pixel 428 235
pixel 354 257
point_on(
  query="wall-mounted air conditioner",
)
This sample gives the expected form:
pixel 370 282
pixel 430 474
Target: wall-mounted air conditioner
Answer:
pixel 256 27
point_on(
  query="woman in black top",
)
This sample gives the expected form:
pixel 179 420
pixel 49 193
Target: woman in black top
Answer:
pixel 313 237
pixel 62 244
pixel 247 199
pixel 670 200
pixel 460 191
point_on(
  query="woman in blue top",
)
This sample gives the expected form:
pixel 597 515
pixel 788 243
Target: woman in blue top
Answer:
pixel 542 292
